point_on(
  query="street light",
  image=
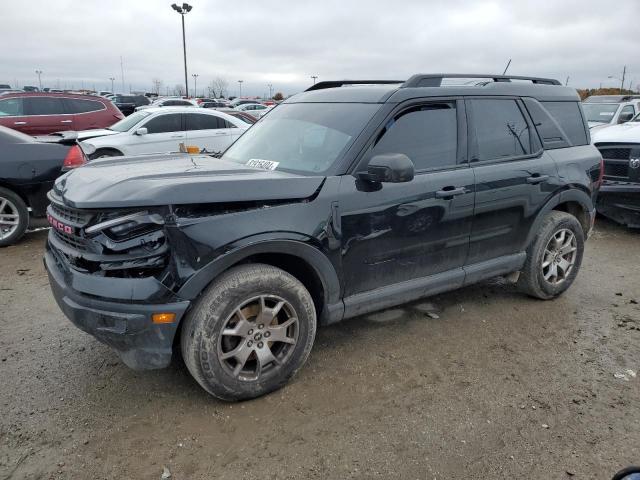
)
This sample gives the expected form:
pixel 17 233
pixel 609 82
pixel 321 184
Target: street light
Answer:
pixel 183 10
pixel 315 77
pixel 39 73
pixel 112 79
pixel 240 83
pixel 270 91
pixel 195 83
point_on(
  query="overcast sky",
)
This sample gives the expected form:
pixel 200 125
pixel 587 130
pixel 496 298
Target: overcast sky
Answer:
pixel 283 42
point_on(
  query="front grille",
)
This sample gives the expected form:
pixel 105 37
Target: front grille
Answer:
pixel 616 169
pixel 72 215
pixel 72 241
pixel 615 153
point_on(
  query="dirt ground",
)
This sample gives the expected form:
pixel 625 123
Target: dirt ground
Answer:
pixel 497 386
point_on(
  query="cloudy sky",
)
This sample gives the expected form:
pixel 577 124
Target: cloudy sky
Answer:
pixel 283 42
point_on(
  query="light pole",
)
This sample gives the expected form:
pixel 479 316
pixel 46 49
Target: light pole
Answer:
pixel 240 83
pixel 315 77
pixel 112 79
pixel 270 91
pixel 39 73
pixel 195 84
pixel 183 10
pixel 624 73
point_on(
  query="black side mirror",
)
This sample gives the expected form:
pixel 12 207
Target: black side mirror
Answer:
pixel 389 168
pixel 625 117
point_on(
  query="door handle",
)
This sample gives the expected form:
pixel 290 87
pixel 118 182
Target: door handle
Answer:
pixel 536 178
pixel 448 192
pixel 66 121
pixel 19 123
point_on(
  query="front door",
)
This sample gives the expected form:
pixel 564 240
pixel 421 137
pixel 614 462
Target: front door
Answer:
pixel 514 177
pixel 164 135
pixel 392 233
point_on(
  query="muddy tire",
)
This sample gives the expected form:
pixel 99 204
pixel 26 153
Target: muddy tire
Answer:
pixel 14 217
pixel 553 257
pixel 249 332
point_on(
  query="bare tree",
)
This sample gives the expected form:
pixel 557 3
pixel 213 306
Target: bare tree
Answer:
pixel 157 85
pixel 178 90
pixel 219 87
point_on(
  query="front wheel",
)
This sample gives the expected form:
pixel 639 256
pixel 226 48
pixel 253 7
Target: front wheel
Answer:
pixel 553 257
pixel 249 333
pixel 14 217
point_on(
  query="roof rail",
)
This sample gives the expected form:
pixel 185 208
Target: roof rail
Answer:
pixel 435 79
pixel 340 83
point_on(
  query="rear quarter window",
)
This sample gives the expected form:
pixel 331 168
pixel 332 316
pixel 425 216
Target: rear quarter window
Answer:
pixel 77 105
pixel 569 117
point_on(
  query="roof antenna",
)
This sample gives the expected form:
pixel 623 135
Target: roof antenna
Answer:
pixel 506 68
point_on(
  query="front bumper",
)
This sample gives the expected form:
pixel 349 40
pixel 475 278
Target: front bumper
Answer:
pixel 620 201
pixel 112 310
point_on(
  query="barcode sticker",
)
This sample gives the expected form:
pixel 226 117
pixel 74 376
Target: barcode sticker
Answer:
pixel 263 164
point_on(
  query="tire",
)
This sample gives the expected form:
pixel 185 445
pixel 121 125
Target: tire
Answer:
pixel 105 153
pixel 560 232
pixel 14 217
pixel 228 353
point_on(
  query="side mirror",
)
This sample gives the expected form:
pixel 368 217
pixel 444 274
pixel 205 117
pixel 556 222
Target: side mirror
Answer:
pixel 141 131
pixel 625 117
pixel 389 168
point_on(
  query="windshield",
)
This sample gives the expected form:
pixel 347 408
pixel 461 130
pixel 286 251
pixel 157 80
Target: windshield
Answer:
pixel 302 137
pixel 127 123
pixel 600 112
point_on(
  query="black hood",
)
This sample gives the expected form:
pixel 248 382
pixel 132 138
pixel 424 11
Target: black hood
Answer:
pixel 176 179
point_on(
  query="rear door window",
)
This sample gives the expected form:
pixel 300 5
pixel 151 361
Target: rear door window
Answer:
pixel 427 134
pixel 197 121
pixel 11 107
pixel 568 116
pixel 78 105
pixel 44 106
pixel 501 129
pixel 164 123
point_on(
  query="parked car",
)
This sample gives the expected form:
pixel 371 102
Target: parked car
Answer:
pixel 162 130
pixel 240 101
pixel 27 172
pixel 30 88
pixel 208 104
pixel 244 116
pixel 255 109
pixel 104 93
pixel 169 102
pixel 606 110
pixel 619 197
pixel 44 113
pixel 128 103
pixel 340 202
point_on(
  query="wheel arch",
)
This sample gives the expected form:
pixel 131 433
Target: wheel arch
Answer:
pixel 305 262
pixel 17 191
pixel 95 154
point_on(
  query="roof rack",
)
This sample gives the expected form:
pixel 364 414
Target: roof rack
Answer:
pixel 435 79
pixel 340 83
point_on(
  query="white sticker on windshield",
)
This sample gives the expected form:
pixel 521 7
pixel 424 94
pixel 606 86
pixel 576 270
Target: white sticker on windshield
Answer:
pixel 607 114
pixel 263 164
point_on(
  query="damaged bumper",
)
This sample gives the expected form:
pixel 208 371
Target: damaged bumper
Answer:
pixel 620 201
pixel 118 311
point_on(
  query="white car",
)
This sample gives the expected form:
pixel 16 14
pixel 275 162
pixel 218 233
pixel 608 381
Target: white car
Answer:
pixel 162 130
pixel 255 109
pixel 603 111
pixel 169 102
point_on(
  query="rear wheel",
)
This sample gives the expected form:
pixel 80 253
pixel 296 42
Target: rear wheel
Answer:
pixel 249 333
pixel 14 217
pixel 553 257
pixel 106 153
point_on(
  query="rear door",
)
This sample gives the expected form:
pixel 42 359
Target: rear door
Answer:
pixel 86 113
pixel 514 176
pixel 396 232
pixel 12 114
pixel 207 131
pixel 165 133
pixel 47 115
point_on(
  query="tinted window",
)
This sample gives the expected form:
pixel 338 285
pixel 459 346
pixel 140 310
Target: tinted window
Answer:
pixel 11 106
pixel 568 116
pixel 44 106
pixel 428 135
pixel 628 110
pixel 177 103
pixel 77 105
pixel 203 122
pixel 548 128
pixel 501 129
pixel 165 123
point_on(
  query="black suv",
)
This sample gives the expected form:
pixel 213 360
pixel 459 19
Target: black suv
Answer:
pixel 345 199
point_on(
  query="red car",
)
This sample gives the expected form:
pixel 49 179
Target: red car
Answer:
pixel 40 113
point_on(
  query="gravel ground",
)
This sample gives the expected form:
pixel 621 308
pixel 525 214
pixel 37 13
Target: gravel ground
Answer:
pixel 493 385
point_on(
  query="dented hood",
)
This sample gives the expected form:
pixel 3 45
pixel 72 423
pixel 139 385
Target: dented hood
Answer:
pixel 177 179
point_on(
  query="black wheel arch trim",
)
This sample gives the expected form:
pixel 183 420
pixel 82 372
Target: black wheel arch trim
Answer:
pixel 569 195
pixel 322 266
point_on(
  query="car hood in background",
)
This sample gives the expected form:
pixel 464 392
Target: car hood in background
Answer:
pixel 626 133
pixel 73 136
pixel 176 179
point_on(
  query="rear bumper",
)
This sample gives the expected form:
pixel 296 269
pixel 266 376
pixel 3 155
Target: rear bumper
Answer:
pixel 620 201
pixel 124 326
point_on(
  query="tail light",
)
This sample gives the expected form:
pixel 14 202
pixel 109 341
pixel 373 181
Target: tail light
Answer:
pixel 75 158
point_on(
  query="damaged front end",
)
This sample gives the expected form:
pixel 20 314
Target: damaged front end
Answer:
pixel 619 196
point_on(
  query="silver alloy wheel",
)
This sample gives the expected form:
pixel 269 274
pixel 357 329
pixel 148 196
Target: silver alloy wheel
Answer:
pixel 258 337
pixel 9 218
pixel 559 256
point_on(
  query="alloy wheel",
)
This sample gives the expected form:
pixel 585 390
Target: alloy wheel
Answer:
pixel 559 256
pixel 9 218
